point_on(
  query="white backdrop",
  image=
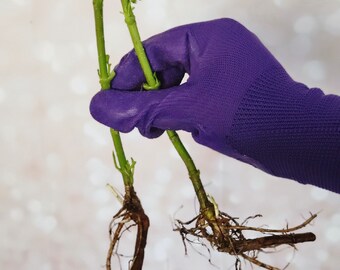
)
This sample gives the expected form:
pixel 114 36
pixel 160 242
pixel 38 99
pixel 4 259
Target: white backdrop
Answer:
pixel 55 160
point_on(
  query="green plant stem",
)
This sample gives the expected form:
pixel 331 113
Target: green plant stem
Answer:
pixel 106 76
pixel 194 173
pixel 130 20
pixel 152 83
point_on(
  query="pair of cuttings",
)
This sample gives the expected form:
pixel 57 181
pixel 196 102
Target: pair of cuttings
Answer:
pixel 219 229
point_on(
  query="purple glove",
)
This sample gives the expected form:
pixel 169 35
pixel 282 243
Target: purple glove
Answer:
pixel 238 100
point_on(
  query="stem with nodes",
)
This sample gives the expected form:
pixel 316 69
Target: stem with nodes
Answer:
pixel 132 211
pixel 105 76
pixel 151 84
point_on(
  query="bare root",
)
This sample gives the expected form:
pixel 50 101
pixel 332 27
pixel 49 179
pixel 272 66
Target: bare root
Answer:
pixel 225 234
pixel 130 215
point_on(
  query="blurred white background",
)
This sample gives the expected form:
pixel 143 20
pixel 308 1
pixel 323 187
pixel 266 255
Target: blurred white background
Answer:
pixel 55 160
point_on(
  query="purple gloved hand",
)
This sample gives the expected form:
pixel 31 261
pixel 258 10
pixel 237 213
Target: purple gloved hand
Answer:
pixel 238 100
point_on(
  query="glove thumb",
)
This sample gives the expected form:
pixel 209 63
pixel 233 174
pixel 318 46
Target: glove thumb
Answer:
pixel 151 112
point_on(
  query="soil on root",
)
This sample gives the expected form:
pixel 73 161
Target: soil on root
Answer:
pixel 130 215
pixel 225 234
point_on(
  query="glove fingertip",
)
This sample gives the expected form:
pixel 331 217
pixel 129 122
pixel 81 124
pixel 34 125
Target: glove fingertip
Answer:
pixel 99 108
pixel 110 108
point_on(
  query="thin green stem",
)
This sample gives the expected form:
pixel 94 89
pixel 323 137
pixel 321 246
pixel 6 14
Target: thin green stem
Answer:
pixel 105 77
pixel 117 142
pixel 104 66
pixel 194 173
pixel 130 20
pixel 152 83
